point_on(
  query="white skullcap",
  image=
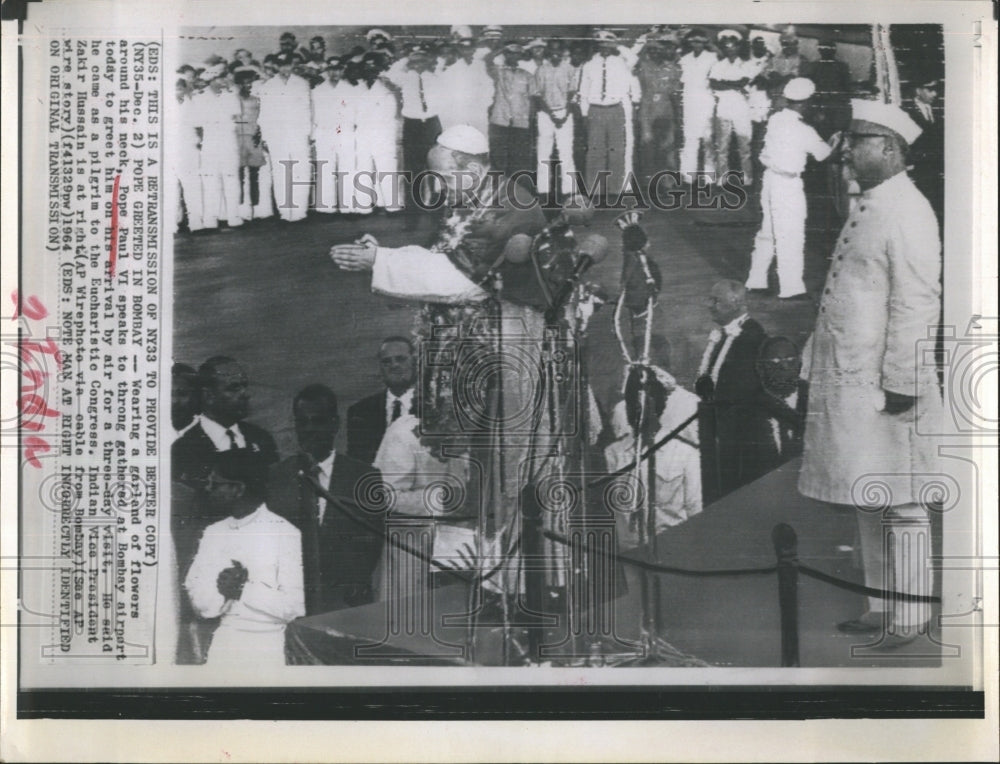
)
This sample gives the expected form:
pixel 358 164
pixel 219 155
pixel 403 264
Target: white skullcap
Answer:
pixel 464 138
pixel 730 33
pixel 213 72
pixel 887 115
pixel 461 31
pixel 799 89
pixel 605 35
pixel 372 33
pixel 538 42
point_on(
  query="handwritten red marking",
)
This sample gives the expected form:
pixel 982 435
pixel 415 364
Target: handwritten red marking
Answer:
pixel 49 347
pixel 32 308
pixel 31 445
pixel 35 377
pixel 113 254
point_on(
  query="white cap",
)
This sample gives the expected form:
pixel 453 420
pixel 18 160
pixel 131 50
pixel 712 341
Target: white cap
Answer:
pixel 538 42
pixel 461 31
pixel 213 72
pixel 887 115
pixel 464 138
pixel 605 35
pixel 372 33
pixel 731 33
pixel 799 89
pixel 492 30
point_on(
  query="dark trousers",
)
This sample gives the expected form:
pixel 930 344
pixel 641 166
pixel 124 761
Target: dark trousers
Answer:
pixel 510 149
pixel 419 136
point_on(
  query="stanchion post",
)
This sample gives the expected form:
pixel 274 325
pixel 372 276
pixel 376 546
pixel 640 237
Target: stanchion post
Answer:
pixel 786 549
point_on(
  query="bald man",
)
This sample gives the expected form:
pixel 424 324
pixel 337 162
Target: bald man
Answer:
pixel 730 392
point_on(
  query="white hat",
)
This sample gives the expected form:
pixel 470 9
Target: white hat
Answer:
pixel 464 138
pixel 538 42
pixel 461 31
pixel 213 72
pixel 799 89
pixel 372 33
pixel 730 33
pixel 492 30
pixel 887 115
pixel 605 35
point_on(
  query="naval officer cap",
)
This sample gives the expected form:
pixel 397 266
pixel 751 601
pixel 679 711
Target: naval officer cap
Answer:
pixel 605 35
pixel 538 42
pixel 371 34
pixel 465 139
pixel 886 116
pixel 729 34
pixel 799 89
pixel 492 32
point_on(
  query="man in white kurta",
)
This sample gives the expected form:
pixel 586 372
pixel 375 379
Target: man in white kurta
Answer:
pixel 217 109
pixel 469 90
pixel 699 105
pixel 248 569
pixel 788 142
pixel 285 123
pixel 871 394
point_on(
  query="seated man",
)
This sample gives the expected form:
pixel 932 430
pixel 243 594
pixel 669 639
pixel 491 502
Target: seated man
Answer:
pixel 677 495
pixel 248 567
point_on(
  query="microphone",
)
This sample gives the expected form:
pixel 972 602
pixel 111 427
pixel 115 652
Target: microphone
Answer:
pixel 593 249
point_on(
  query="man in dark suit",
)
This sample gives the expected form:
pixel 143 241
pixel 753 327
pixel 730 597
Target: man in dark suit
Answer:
pixel 342 543
pixel 730 390
pixel 926 155
pixel 368 418
pixel 225 403
pixel 223 389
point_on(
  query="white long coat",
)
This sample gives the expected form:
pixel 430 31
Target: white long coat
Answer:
pixel 882 295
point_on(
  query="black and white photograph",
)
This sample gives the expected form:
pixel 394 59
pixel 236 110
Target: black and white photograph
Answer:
pixel 488 365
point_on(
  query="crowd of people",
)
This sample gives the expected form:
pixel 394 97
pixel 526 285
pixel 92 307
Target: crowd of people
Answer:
pixel 301 129
pixel 757 401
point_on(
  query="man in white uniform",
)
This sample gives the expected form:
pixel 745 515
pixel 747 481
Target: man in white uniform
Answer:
pixel 871 395
pixel 728 78
pixel 285 122
pixel 217 111
pixel 187 164
pixel 333 135
pixel 248 568
pixel 782 235
pixel 469 90
pixel 699 105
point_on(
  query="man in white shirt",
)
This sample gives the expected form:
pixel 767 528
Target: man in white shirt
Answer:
pixel 285 124
pixel 420 90
pixel 248 568
pixel 789 141
pixel 217 111
pixel 728 78
pixel 699 105
pixel 607 91
pixel 554 89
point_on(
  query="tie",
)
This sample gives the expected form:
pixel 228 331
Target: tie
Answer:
pixel 604 79
pixel 232 439
pixel 420 84
pixel 397 410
